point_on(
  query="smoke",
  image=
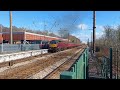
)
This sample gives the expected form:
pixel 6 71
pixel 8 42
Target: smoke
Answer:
pixel 65 23
pixel 68 23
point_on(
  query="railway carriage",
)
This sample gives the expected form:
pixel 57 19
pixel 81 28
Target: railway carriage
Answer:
pixel 58 45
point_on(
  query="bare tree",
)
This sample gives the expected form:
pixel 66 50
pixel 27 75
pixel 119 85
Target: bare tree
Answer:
pixel 64 33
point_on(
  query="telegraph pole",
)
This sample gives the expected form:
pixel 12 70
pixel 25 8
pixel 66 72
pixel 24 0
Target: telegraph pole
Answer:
pixel 76 39
pixel 1 28
pixel 94 27
pixel 91 41
pixel 44 25
pixel 11 38
pixel 2 38
pixel 68 37
pixel 88 42
pixel 44 30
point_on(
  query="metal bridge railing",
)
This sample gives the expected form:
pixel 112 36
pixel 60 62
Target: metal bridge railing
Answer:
pixel 79 69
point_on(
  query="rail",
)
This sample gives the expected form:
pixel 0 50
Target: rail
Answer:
pixel 79 69
pixel 67 61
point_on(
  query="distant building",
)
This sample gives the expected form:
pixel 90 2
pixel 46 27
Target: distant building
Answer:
pixel 20 37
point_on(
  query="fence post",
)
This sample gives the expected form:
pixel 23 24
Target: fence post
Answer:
pixel 105 61
pixel 79 69
pixel 110 63
pixel 2 47
pixel 67 75
pixel 84 65
pixel 75 66
pixel 22 47
pixel 117 63
pixel 74 70
pixel 87 63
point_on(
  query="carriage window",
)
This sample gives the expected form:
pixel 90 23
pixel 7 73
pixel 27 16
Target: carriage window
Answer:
pixel 53 42
pixel 38 42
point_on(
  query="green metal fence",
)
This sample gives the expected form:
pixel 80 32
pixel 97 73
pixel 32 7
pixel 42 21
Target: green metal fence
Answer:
pixel 79 69
pixel 106 65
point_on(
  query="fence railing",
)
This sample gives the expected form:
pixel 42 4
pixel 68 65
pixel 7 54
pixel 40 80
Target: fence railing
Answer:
pixel 116 62
pixel 110 63
pixel 79 69
pixel 105 62
pixel 7 48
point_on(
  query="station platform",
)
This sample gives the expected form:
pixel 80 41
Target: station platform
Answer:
pixel 20 55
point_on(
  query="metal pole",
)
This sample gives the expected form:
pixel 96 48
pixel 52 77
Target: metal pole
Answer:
pixel 44 30
pixel 88 42
pixel 2 39
pixel 25 37
pixel 94 27
pixel 110 63
pixel 117 64
pixel 76 40
pixel 68 37
pixel 44 24
pixel 91 41
pixel 11 38
pixel 1 28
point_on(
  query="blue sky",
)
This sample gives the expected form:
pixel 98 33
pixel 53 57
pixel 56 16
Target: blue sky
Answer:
pixel 83 21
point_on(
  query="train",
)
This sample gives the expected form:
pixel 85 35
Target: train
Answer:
pixel 43 44
pixel 59 45
pixel 54 45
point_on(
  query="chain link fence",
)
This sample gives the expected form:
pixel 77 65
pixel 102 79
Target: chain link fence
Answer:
pixel 8 48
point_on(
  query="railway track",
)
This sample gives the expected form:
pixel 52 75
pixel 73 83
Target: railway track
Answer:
pixel 64 66
pixel 14 63
pixel 30 69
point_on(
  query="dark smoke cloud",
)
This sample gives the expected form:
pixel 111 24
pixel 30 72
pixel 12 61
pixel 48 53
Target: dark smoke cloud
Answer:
pixel 69 23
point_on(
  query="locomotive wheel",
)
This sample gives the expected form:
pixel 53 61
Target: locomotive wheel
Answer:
pixel 58 49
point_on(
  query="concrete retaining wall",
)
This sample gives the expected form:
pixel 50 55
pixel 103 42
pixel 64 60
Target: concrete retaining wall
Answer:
pixel 20 55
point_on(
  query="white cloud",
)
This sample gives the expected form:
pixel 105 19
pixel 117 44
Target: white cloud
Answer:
pixel 98 34
pixel 82 26
pixel 84 42
pixel 85 27
pixel 100 27
pixel 115 26
pixel 83 37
